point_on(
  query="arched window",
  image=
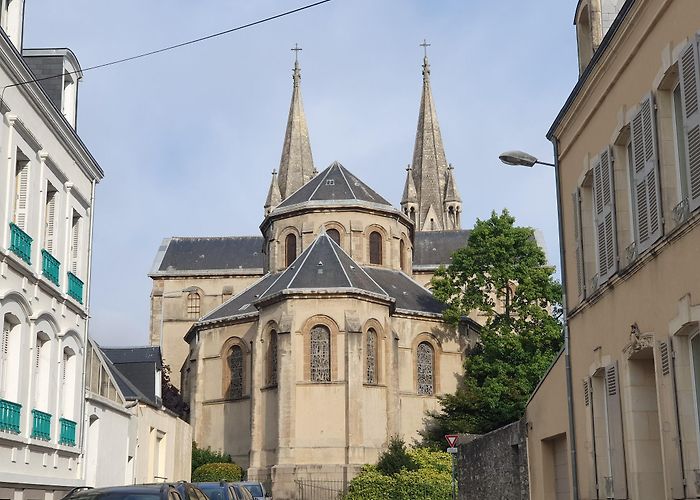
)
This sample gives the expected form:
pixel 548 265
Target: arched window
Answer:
pixel 10 357
pixel 402 256
pixel 290 249
pixel 68 383
pixel 193 305
pixel 42 364
pixel 235 366
pixel 334 234
pixel 371 357
pixel 272 359
pixel 412 214
pixel 320 354
pixel 375 248
pixel 425 364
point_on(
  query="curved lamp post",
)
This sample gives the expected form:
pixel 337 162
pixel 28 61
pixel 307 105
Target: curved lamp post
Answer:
pixel 522 159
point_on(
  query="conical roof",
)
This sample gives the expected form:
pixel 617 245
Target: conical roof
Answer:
pixel 409 190
pixel 451 193
pixel 274 196
pixel 335 183
pixel 296 164
pixel 324 266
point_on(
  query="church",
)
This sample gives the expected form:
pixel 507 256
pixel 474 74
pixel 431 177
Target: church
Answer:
pixel 301 351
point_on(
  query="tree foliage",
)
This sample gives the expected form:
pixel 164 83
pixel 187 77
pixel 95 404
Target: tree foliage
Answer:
pixel 217 472
pixel 395 458
pixel 202 456
pixel 503 274
pixel 171 396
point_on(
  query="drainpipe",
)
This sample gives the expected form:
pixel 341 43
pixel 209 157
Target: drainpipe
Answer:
pixel 567 356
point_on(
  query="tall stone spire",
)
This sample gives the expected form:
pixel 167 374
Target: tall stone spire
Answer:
pixel 409 200
pixel 297 164
pixel 274 197
pixel 430 168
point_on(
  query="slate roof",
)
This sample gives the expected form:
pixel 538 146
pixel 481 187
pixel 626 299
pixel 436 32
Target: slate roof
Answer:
pixel 335 183
pixel 123 355
pixel 323 266
pixel 214 255
pixel 433 248
pixel 129 388
pixel 241 305
pixel 408 294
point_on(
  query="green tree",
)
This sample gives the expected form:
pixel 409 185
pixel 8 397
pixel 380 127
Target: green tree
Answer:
pixel 202 456
pixel 502 273
pixel 395 458
pixel 217 472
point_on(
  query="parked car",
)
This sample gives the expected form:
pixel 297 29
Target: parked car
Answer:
pixel 218 491
pixel 136 492
pixel 242 493
pixel 255 488
pixel 188 491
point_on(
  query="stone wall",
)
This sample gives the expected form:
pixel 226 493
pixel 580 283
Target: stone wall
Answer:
pixel 494 466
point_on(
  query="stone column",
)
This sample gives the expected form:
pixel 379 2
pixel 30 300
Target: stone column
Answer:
pixel 354 369
pixel 257 381
pixel 391 373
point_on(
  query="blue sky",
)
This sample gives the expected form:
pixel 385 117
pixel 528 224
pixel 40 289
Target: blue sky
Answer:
pixel 188 138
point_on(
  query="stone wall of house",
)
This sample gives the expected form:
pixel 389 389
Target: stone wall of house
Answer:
pixel 493 466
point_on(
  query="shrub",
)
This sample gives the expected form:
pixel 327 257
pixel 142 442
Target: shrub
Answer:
pixel 217 472
pixel 201 456
pixel 395 458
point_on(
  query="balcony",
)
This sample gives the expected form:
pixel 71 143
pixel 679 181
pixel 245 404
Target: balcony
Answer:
pixel 20 243
pixel 9 416
pixel 75 287
pixel 67 435
pixel 41 425
pixel 50 267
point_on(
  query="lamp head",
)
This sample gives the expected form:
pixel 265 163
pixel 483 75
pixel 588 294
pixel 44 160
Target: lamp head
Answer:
pixel 517 158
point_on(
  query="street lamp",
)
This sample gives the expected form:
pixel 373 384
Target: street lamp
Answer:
pixel 522 159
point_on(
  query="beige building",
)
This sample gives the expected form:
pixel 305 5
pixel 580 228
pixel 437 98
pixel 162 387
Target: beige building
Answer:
pixel 628 155
pixel 305 349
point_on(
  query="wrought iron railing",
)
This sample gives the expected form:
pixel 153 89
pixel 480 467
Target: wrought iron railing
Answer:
pixel 75 287
pixel 681 212
pixel 320 489
pixel 67 435
pixel 41 425
pixel 50 267
pixel 9 416
pixel 20 243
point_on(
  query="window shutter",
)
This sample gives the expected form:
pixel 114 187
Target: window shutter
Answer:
pixel 580 270
pixel 50 221
pixel 21 201
pixel 689 70
pixel 667 385
pixel 75 241
pixel 647 194
pixel 615 436
pixel 604 216
pixel 590 436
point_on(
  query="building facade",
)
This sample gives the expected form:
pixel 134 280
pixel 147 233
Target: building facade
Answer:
pixel 47 184
pixel 628 156
pixel 306 348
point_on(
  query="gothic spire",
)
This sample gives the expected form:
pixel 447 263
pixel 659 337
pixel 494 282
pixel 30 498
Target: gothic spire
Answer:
pixel 296 164
pixel 429 161
pixel 451 193
pixel 409 191
pixel 274 197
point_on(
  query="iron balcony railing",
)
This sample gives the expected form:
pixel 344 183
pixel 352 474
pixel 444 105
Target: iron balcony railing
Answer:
pixel 67 435
pixel 50 267
pixel 75 287
pixel 20 243
pixel 41 425
pixel 9 416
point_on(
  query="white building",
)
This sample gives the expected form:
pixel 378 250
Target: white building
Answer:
pixel 47 187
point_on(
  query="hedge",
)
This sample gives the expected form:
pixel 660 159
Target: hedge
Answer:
pixel 217 472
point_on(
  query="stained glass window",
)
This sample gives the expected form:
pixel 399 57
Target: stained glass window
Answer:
pixel 235 365
pixel 402 256
pixel 320 354
pixel 371 356
pixel 425 363
pixel 375 248
pixel 290 249
pixel 272 359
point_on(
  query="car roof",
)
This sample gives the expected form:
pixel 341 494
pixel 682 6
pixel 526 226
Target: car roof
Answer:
pixel 141 488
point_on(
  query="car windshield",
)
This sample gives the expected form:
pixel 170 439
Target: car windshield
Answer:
pixel 214 492
pixel 254 489
pixel 120 496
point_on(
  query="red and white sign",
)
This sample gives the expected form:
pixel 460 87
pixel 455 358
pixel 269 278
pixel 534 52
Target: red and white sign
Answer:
pixel 451 439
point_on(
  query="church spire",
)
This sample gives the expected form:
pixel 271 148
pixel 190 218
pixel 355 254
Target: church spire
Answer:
pixel 274 197
pixel 409 200
pixel 296 164
pixel 430 171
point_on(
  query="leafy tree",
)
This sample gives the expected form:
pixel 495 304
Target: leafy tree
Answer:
pixel 202 456
pixel 217 472
pixel 395 458
pixel 171 396
pixel 502 273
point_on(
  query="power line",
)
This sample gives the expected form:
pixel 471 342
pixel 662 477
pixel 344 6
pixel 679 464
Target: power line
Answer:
pixel 171 47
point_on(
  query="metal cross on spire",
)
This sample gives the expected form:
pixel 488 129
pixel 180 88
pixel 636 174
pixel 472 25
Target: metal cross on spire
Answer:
pixel 425 46
pixel 296 50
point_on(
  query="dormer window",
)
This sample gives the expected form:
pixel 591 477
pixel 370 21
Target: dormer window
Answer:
pixel 11 14
pixel 68 103
pixel 584 37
